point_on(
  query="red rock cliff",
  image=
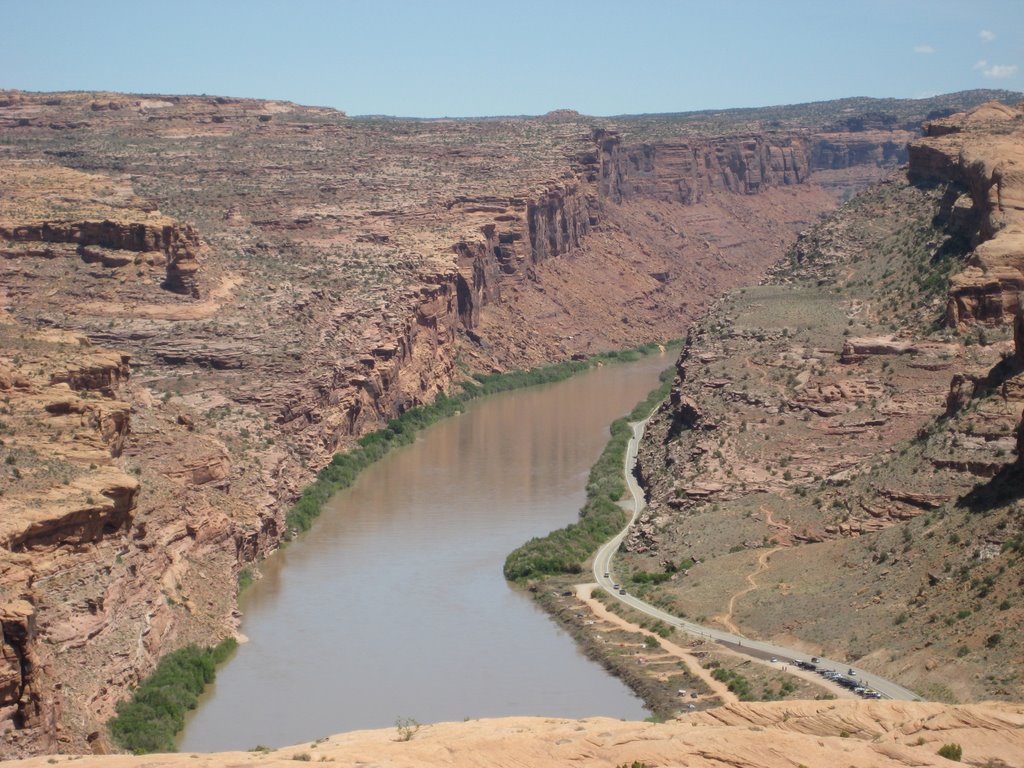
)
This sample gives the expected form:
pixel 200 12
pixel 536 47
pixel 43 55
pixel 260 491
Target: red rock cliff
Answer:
pixel 977 155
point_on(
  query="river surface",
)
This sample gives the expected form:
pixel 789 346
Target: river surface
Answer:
pixel 394 604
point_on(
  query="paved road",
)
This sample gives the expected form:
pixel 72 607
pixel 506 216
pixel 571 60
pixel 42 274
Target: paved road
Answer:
pixel 603 565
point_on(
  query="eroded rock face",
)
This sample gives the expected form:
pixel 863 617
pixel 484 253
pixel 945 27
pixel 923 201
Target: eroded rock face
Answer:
pixel 27 704
pixel 687 171
pixel 977 154
pixel 33 229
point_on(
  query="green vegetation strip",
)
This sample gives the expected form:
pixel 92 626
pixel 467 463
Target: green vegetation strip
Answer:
pixel 345 467
pixel 565 550
pixel 149 721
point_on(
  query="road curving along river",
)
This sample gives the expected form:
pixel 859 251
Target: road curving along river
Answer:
pixel 394 605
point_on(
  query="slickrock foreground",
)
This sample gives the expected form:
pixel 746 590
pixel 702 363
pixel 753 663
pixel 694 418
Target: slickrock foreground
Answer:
pixel 775 735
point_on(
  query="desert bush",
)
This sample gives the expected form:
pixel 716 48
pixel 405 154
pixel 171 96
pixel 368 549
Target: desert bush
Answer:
pixel 645 577
pixel 951 752
pixel 406 728
pixel 149 721
pixel 735 682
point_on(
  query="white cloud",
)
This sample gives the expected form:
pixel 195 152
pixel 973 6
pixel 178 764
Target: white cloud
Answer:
pixel 923 49
pixel 1000 70
pixel 987 35
pixel 981 64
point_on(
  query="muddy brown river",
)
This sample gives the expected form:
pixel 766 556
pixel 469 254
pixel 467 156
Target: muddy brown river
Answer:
pixel 394 604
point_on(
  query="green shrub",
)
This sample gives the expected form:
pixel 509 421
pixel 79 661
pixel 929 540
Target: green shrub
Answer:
pixel 951 752
pixel 406 728
pixel 245 579
pixel 735 682
pixel 149 721
pixel 645 577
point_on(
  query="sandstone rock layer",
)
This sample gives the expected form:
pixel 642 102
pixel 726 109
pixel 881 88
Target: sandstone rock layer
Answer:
pixel 776 735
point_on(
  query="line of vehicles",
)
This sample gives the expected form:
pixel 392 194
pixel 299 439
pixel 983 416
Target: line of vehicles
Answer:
pixel 849 680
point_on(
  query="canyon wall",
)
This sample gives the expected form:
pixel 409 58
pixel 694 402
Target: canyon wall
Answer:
pixel 687 171
pixel 975 156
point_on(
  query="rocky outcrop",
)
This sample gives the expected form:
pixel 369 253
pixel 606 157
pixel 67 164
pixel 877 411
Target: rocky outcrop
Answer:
pixel 84 511
pixel 63 493
pixel 688 171
pixel 26 704
pixel 976 154
pixel 756 735
pixel 857 350
pixel 837 151
pixel 118 243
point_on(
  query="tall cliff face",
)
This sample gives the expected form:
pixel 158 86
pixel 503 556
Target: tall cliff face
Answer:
pixel 844 150
pixel 686 172
pixel 64 494
pixel 976 156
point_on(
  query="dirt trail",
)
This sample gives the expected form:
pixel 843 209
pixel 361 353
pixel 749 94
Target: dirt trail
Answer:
pixel 583 592
pixel 762 565
pixel 725 619
pixel 771 522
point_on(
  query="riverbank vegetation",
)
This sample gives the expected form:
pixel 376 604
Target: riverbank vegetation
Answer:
pixel 149 721
pixel 567 549
pixel 345 467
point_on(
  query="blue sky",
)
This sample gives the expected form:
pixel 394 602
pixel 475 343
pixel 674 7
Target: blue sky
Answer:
pixel 461 58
